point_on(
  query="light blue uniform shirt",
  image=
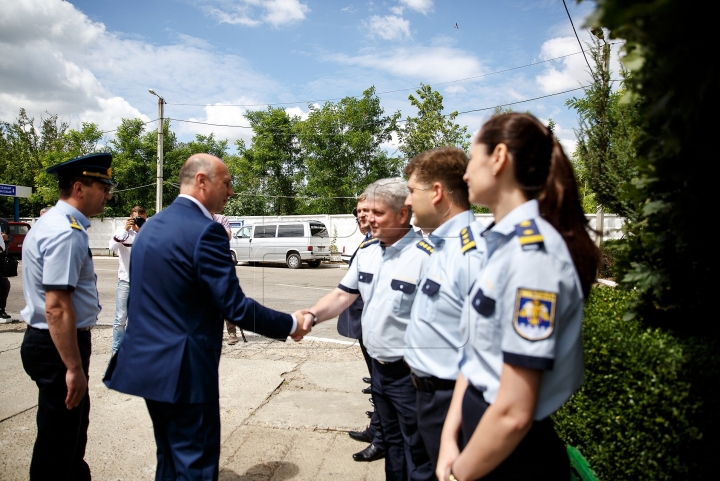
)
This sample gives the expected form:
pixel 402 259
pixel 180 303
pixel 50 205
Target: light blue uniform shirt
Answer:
pixel 56 256
pixel 525 310
pixel 433 334
pixel 387 279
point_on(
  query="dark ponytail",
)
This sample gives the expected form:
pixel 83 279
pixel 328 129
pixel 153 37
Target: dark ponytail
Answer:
pixel 544 172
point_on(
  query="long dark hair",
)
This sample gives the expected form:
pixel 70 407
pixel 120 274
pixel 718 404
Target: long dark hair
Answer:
pixel 544 173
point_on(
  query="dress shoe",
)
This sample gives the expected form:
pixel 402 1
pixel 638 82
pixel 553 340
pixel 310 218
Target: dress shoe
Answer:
pixel 371 401
pixel 367 390
pixel 367 380
pixel 4 314
pixel 369 413
pixel 362 436
pixel 371 453
pixel 232 340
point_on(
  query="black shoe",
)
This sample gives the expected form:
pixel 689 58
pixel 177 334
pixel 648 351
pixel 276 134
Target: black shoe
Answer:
pixel 4 315
pixel 367 380
pixel 362 436
pixel 369 413
pixel 367 390
pixel 371 401
pixel 371 453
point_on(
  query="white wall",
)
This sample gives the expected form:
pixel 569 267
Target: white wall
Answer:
pixel 348 235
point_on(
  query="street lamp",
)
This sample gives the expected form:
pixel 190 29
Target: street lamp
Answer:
pixel 159 191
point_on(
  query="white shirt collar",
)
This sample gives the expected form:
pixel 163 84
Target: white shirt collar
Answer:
pixel 205 212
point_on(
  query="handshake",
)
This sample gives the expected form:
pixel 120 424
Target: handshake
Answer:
pixel 305 323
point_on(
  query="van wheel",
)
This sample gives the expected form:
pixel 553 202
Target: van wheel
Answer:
pixel 314 263
pixel 234 257
pixel 293 261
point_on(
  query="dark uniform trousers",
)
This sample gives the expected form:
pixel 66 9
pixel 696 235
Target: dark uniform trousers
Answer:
pixel 62 433
pixel 375 428
pixel 394 395
pixel 432 408
pixel 541 455
pixel 187 438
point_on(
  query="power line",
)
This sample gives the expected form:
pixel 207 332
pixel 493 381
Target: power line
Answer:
pixel 113 130
pixel 576 35
pixel 522 101
pixel 388 91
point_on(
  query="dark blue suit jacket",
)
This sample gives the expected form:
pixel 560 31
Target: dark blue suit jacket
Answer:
pixel 182 285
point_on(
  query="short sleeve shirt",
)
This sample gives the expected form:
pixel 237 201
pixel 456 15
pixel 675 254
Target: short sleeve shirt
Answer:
pixel 56 256
pixel 387 278
pixel 121 243
pixel 525 309
pixel 433 334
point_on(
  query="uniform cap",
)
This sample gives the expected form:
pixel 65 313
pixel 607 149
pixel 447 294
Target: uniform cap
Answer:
pixel 95 166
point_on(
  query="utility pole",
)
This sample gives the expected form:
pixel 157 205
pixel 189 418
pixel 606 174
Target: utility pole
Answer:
pixel 605 76
pixel 159 188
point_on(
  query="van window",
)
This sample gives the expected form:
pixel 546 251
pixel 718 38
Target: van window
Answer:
pixel 291 230
pixel 244 233
pixel 265 231
pixel 318 230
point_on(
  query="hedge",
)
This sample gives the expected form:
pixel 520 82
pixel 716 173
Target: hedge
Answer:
pixel 646 409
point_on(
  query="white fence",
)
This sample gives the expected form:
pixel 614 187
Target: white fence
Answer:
pixel 348 235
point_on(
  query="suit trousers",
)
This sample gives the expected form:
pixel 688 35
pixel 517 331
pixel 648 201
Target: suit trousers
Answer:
pixel 432 409
pixel 540 455
pixel 62 434
pixel 394 396
pixel 188 440
pixel 375 428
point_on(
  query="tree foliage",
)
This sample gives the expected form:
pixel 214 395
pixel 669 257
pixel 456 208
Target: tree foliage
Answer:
pixel 431 128
pixel 605 154
pixel 667 260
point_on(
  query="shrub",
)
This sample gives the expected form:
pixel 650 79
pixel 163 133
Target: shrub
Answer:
pixel 640 413
pixel 609 250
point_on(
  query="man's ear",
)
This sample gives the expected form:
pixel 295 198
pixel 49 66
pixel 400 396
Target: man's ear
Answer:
pixel 437 193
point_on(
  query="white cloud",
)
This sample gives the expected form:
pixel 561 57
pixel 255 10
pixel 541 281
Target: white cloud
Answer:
pixel 422 6
pixel 54 59
pixel 297 111
pixel 426 64
pixel 455 89
pixel 389 27
pixel 349 9
pixel 255 12
pixel 397 9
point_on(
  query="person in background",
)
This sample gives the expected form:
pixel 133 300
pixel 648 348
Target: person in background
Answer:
pixel 60 289
pixel 231 329
pixel 121 244
pixel 5 239
pixel 523 317
pixel 349 325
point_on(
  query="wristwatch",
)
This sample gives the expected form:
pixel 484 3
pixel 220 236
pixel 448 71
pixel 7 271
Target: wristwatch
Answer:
pixel 315 319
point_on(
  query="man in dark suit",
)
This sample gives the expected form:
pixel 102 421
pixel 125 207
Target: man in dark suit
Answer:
pixel 182 285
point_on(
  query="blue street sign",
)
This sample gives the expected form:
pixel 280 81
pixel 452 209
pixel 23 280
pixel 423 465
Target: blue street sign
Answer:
pixel 8 190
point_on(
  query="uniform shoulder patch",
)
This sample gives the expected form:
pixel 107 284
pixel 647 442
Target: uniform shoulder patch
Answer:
pixel 74 223
pixel 467 241
pixel 534 317
pixel 425 247
pixel 368 242
pixel 529 235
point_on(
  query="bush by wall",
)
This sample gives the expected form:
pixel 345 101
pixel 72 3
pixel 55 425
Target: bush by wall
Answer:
pixel 646 409
pixel 609 250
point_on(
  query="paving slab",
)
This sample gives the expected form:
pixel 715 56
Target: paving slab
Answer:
pixel 336 376
pixel 17 391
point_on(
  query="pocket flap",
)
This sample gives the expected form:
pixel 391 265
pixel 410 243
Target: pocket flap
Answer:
pixel 407 287
pixel 485 306
pixel 431 287
pixel 365 277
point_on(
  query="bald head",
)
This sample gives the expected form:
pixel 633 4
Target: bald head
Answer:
pixel 206 178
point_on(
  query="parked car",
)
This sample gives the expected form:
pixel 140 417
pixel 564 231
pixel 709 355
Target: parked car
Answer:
pixel 18 231
pixel 290 242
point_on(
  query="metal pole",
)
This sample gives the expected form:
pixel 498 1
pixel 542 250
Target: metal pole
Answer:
pixel 159 192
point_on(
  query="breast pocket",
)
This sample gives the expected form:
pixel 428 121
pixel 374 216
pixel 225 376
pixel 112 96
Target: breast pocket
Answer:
pixel 486 329
pixel 404 290
pixel 430 294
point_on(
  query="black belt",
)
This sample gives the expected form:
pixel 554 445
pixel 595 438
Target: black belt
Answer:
pixel 391 363
pixel 432 383
pixel 79 329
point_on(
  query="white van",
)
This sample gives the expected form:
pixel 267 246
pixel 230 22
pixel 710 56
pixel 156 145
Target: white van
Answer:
pixel 288 242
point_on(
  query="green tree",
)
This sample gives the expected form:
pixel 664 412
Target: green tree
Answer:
pixel 430 129
pixel 341 145
pixel 605 156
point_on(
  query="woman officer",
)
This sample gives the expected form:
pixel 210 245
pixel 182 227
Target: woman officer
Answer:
pixel 523 316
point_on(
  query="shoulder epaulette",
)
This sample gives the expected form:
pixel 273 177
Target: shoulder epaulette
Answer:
pixel 529 235
pixel 467 241
pixel 73 223
pixel 368 242
pixel 425 247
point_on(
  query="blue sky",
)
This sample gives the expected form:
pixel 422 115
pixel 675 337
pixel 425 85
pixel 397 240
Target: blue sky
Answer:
pixel 93 60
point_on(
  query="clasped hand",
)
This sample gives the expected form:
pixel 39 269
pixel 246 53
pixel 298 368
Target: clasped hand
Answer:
pixel 304 324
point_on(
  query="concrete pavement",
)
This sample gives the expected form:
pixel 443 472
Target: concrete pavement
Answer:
pixel 285 407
